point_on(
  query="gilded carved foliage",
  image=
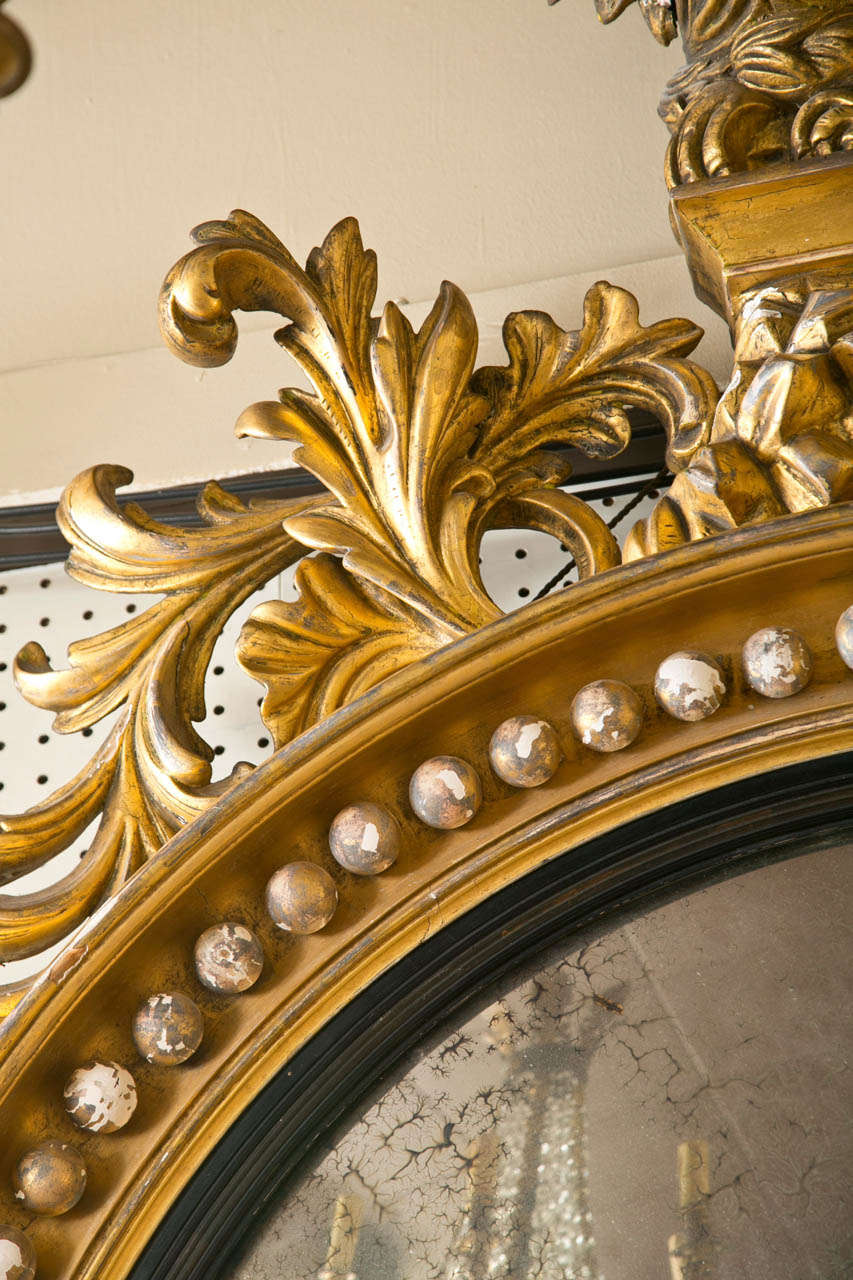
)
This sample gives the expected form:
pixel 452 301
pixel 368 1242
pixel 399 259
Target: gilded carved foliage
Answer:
pixel 782 437
pixel 419 453
pixel 342 637
pixel 765 81
pixel 152 773
pixel 781 90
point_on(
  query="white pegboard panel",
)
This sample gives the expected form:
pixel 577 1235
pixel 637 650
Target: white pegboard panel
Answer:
pixel 233 726
pixel 44 604
pixel 516 564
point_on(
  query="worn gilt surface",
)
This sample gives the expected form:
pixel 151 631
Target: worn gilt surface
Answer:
pixel 152 773
pixel 765 80
pixel 782 435
pixel 420 453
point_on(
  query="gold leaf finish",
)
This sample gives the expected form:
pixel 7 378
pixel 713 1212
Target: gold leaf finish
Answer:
pixel 624 622
pixel 765 81
pixel 763 207
pixel 421 453
pixel 152 773
pixel 338 640
pixel 782 438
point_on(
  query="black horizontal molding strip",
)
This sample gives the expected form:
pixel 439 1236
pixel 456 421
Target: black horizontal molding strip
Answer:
pixel 29 535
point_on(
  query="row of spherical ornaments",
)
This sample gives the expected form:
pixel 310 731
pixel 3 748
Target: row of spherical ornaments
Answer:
pixel 364 839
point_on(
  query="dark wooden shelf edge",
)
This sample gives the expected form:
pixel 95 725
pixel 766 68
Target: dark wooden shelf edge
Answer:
pixel 29 535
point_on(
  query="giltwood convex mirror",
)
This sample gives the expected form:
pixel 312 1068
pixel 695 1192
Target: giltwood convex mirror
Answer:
pixel 523 954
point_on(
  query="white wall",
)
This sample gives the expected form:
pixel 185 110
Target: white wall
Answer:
pixel 500 143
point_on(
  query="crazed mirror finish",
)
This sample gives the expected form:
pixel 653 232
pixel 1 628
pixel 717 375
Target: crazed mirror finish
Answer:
pixel 663 1097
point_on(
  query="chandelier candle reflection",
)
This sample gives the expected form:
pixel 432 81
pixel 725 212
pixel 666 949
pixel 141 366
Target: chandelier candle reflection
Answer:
pixel 343 1240
pixel 528 1211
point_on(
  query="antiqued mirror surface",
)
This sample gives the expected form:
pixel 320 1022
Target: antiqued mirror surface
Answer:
pixel 664 1096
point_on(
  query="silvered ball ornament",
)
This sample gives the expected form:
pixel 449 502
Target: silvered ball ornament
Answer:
pixel 301 897
pixel 50 1179
pixel 100 1097
pixel 525 751
pixel 228 958
pixel 445 792
pixel 607 715
pixel 777 662
pixel 168 1028
pixel 844 636
pixel 364 838
pixel 17 1255
pixel 690 685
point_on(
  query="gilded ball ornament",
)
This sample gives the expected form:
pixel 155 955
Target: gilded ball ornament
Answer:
pixel 690 686
pixel 100 1097
pixel 17 1255
pixel 301 897
pixel 844 636
pixel 168 1028
pixel 50 1179
pixel 525 751
pixel 228 958
pixel 445 792
pixel 607 715
pixel 364 838
pixel 777 662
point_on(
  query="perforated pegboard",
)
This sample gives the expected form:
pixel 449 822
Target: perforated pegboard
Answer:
pixel 44 604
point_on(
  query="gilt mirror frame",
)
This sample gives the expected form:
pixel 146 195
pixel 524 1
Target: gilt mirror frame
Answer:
pixel 395 656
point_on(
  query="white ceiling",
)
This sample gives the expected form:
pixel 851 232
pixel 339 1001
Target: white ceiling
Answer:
pixel 494 142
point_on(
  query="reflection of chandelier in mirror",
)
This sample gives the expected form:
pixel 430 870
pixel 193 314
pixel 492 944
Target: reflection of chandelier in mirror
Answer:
pixel 610 1111
pixel 528 1211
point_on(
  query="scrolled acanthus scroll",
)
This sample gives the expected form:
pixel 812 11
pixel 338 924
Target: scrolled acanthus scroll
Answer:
pixel 781 89
pixel 420 454
pixel 152 773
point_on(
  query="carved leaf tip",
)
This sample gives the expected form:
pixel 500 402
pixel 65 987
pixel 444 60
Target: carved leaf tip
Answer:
pixel 316 655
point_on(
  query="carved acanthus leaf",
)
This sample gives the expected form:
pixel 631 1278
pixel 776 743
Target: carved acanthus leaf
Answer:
pixel 339 639
pixel 152 773
pixel 793 57
pixel 421 453
pixel 763 82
